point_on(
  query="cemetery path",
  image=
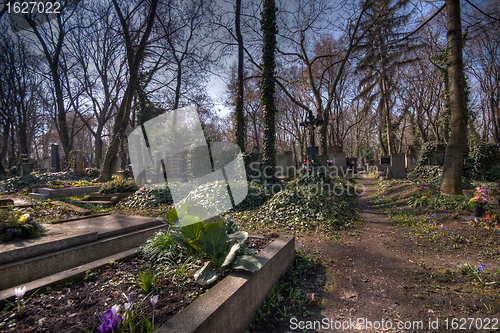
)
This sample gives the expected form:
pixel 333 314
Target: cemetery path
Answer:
pixel 367 276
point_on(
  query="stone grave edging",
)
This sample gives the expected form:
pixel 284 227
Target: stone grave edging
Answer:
pixel 231 304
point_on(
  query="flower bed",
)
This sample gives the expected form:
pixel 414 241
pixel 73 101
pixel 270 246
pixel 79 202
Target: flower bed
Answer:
pixel 79 304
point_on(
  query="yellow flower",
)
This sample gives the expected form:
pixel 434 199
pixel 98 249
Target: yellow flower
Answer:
pixel 425 197
pixel 23 218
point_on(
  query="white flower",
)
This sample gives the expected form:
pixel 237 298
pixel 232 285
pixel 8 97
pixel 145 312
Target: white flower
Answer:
pixel 114 309
pixel 19 292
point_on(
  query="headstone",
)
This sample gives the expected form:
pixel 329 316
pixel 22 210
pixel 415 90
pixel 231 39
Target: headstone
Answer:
pixel 352 165
pixel 338 165
pixel 79 164
pixel 385 161
pixel 285 165
pixel 55 163
pixel 123 159
pixel 25 165
pixel 437 156
pixel 411 161
pixel 46 163
pixel 312 151
pixel 398 165
pixel 175 167
pixel 158 176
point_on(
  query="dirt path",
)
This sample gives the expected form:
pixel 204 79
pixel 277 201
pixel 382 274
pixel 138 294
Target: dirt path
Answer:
pixel 367 279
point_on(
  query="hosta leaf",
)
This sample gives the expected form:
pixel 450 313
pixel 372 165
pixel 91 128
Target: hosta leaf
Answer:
pixel 247 263
pixel 194 244
pixel 171 215
pixel 228 256
pixel 192 208
pixel 205 275
pixel 178 238
pixel 239 236
pixel 187 220
pixel 192 231
pixel 212 238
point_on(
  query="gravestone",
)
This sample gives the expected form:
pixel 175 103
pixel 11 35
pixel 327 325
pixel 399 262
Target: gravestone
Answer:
pixel 285 165
pixel 397 166
pixel 175 167
pixel 46 163
pixel 411 161
pixel 25 165
pixel 385 161
pixel 79 164
pixel 338 165
pixel 352 164
pixel 55 163
pixel 437 156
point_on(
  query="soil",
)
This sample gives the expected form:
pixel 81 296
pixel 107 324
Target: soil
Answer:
pixel 78 304
pixel 388 275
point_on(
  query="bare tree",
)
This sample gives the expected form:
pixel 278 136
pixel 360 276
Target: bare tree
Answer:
pixel 50 37
pixel 135 56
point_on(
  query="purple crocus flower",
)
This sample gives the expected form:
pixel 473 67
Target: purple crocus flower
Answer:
pixel 110 320
pixel 153 301
pixel 130 300
pixel 480 268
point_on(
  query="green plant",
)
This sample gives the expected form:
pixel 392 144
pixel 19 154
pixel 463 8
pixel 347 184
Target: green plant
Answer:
pixel 118 186
pixel 486 158
pixel 147 279
pixel 14 224
pixel 211 239
pixel 73 159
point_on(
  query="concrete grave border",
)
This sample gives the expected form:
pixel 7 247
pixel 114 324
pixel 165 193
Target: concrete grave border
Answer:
pixel 231 304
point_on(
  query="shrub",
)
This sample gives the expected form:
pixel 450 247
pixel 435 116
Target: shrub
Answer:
pixel 311 206
pixel 428 174
pixel 118 186
pixel 425 156
pixel 159 194
pixel 486 158
pixel 14 224
pixel 73 159
pixel 16 184
pixel 92 172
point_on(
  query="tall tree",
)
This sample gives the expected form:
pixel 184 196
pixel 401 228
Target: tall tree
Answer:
pixel 135 56
pixel 239 116
pixel 269 30
pixel 51 38
pixel 451 182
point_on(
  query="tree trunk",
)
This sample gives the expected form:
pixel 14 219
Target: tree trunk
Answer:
pixel 239 117
pixel 3 151
pixel 451 182
pixel 268 26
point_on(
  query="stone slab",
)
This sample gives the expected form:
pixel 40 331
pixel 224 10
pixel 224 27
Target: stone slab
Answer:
pixel 67 275
pixel 64 235
pixel 65 192
pixel 76 209
pixel 27 270
pixel 231 304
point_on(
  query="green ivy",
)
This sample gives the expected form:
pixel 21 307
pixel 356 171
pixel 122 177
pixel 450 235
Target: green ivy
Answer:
pixel 486 158
pixel 118 186
pixel 269 31
pixel 425 156
pixel 73 159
